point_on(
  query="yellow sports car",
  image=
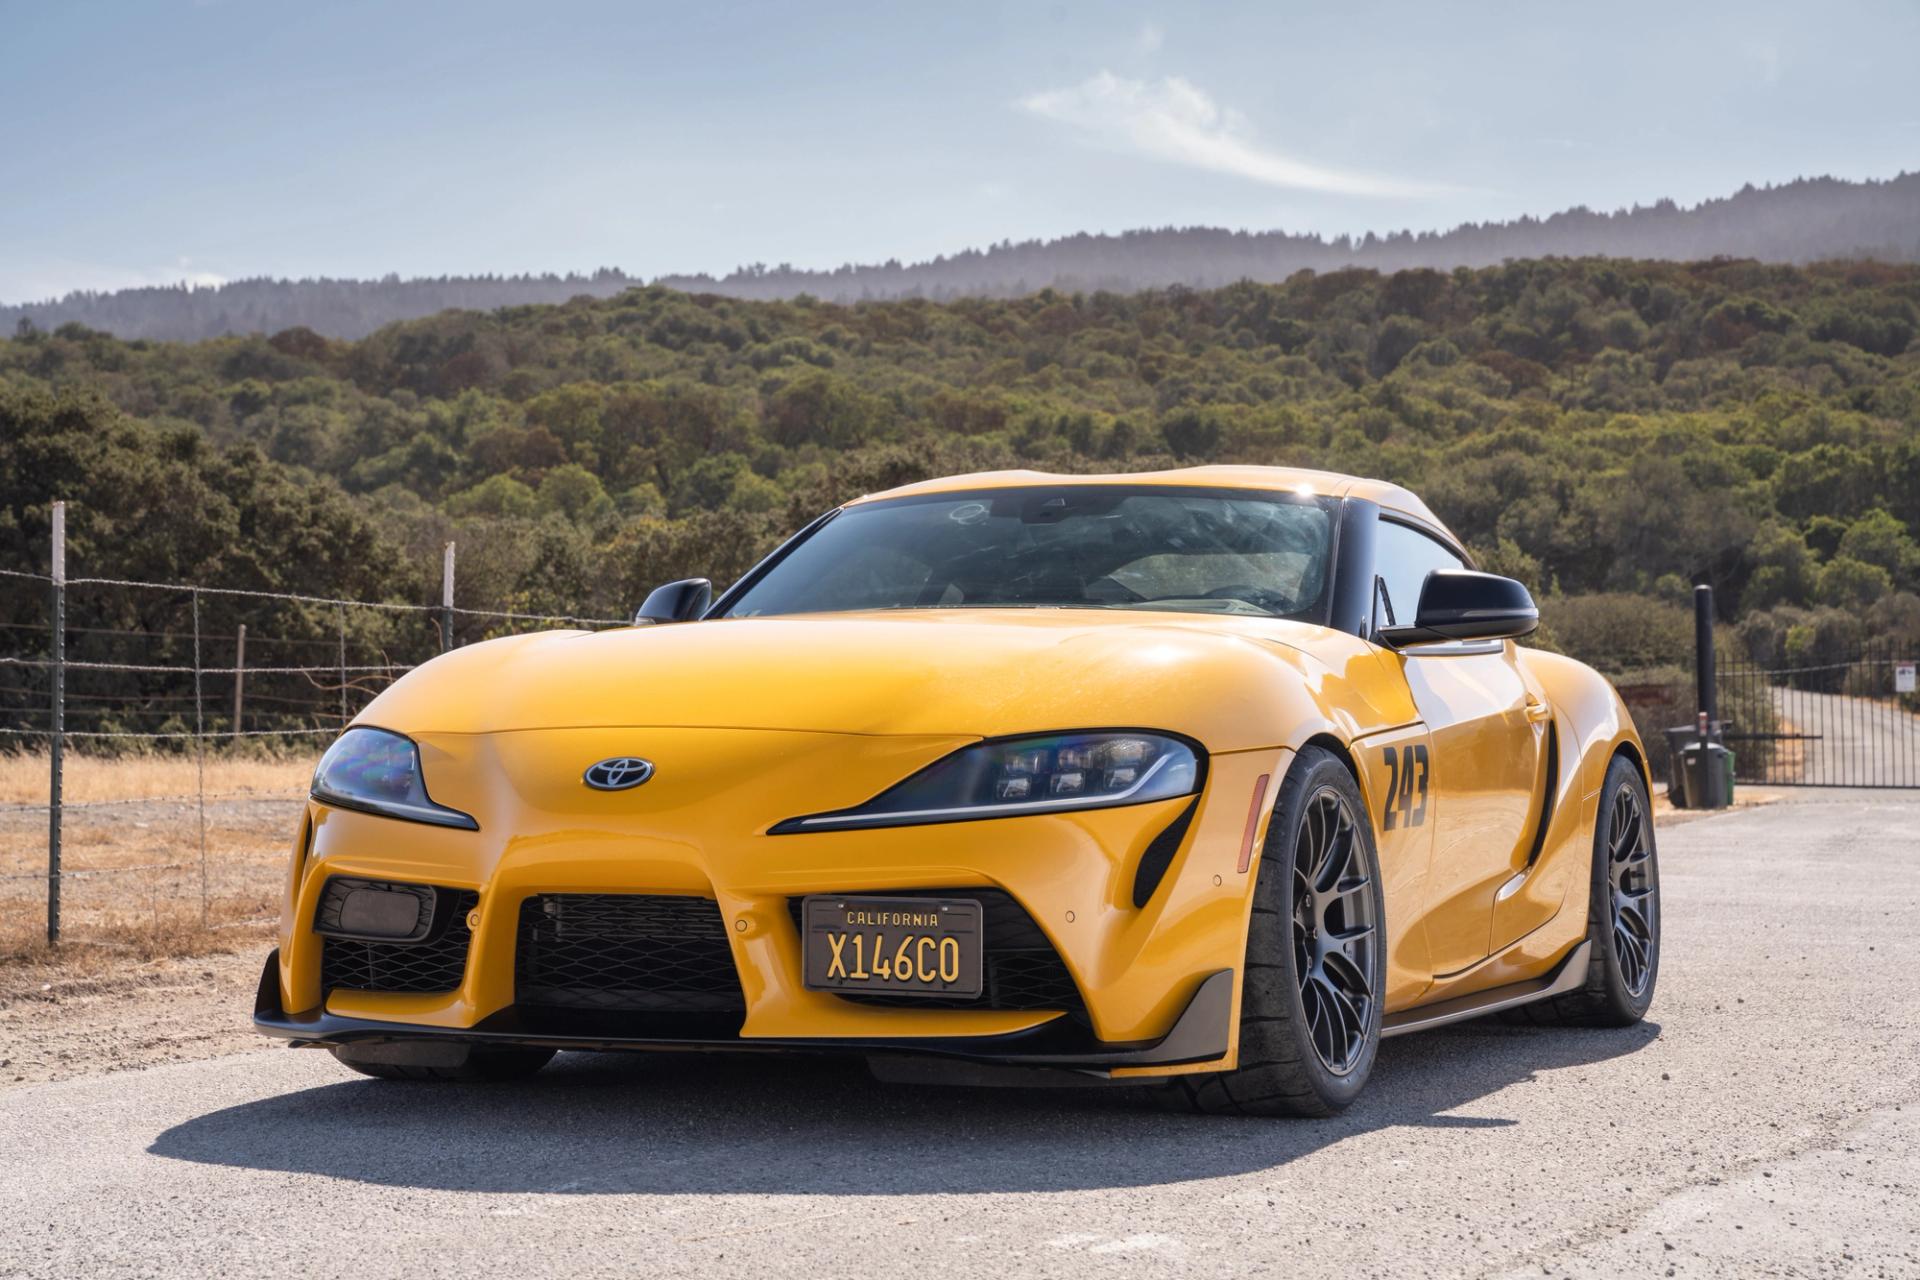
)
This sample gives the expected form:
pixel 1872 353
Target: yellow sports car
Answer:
pixel 1205 780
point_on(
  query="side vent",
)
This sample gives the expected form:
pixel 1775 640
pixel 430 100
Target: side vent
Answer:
pixel 1159 855
pixel 1546 800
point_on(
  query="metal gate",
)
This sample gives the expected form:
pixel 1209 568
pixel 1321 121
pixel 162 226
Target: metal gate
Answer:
pixel 1852 723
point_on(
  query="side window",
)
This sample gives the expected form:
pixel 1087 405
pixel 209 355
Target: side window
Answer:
pixel 1403 557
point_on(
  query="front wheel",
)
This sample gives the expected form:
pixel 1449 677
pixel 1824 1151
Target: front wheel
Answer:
pixel 1316 957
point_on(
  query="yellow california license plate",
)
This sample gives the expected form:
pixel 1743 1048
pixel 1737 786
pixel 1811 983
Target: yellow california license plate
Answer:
pixel 892 946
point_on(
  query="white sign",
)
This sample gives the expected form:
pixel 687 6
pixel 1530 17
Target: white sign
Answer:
pixel 1903 677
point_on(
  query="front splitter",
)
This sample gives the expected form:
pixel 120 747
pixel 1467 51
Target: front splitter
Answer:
pixel 1200 1034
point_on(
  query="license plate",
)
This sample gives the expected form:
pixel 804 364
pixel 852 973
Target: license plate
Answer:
pixel 892 946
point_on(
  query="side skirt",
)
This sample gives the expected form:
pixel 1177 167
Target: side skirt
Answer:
pixel 1566 976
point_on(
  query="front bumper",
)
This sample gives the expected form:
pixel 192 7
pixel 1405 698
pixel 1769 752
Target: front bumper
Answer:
pixel 1200 1034
pixel 698 829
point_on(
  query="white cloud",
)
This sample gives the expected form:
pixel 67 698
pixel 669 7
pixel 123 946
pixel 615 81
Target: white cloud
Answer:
pixel 1151 36
pixel 1176 121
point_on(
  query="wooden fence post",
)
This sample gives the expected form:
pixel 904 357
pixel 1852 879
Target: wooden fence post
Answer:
pixel 239 676
pixel 58 734
pixel 446 600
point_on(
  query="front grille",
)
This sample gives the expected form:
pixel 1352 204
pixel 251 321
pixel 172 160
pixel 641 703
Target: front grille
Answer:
pixel 1021 970
pixel 435 964
pixel 625 951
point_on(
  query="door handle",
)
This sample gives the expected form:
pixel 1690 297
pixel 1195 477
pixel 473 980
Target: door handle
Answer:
pixel 1538 712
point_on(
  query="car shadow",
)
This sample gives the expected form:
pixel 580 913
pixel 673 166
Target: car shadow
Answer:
pixel 693 1124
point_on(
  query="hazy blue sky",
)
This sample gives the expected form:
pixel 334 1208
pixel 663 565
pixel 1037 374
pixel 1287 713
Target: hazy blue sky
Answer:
pixel 159 141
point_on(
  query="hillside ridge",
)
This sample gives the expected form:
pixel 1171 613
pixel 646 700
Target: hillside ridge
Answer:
pixel 1807 220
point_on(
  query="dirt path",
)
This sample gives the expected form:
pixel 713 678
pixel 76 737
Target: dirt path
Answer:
pixel 100 1012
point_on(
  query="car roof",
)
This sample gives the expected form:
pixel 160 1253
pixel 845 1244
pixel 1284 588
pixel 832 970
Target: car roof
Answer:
pixel 1391 497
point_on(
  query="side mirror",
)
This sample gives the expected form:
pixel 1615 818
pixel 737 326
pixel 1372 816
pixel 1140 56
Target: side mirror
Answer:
pixel 681 601
pixel 1459 604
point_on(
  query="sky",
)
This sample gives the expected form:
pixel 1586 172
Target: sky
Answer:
pixel 170 140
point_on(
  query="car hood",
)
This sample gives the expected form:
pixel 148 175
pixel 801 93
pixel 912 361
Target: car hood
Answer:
pixel 944 673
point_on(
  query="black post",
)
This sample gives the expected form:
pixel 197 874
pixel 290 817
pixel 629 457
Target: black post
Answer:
pixel 58 734
pixel 1707 700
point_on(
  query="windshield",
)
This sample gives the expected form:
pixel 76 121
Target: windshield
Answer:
pixel 1185 550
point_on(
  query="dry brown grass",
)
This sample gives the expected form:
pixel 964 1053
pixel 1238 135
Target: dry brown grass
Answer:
pixel 97 962
pixel 23 776
pixel 141 880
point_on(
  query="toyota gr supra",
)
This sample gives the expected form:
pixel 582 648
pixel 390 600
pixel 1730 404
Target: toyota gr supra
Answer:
pixel 1204 780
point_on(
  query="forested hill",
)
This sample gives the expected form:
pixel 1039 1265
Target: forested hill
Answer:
pixel 1804 221
pixel 1591 426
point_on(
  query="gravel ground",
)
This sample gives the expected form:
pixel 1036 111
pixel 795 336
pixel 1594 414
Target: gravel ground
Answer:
pixel 116 1014
pixel 1765 1121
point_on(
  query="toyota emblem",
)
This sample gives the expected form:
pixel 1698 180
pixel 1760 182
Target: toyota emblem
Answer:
pixel 618 774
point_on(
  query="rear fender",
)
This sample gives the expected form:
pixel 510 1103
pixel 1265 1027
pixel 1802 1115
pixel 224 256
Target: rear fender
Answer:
pixel 1591 726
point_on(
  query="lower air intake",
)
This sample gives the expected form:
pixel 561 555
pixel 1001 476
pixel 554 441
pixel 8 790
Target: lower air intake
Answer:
pixel 435 964
pixel 625 952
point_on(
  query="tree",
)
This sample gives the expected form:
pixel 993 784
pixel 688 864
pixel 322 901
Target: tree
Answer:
pixel 576 493
pixel 1191 433
pixel 1847 583
pixel 497 496
pixel 1877 538
pixel 822 408
pixel 1783 570
pixel 709 484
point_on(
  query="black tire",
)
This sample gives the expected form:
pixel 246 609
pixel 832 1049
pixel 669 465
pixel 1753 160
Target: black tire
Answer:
pixel 1306 1048
pixel 1623 915
pixel 443 1062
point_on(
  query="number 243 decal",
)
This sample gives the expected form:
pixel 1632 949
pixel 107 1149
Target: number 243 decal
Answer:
pixel 1407 775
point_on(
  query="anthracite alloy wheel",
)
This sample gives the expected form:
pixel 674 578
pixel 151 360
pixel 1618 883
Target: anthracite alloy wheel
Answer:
pixel 1333 923
pixel 1316 956
pixel 1635 906
pixel 1623 914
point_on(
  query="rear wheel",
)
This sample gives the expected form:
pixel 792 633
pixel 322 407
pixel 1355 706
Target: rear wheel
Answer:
pixel 1316 957
pixel 431 1060
pixel 1623 915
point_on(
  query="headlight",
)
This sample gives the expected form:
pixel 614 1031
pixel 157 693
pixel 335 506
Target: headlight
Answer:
pixel 375 771
pixel 1014 776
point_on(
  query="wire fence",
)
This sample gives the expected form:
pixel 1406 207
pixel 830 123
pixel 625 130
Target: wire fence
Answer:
pixel 155 737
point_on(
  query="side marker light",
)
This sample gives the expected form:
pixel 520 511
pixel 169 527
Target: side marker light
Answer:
pixel 1253 821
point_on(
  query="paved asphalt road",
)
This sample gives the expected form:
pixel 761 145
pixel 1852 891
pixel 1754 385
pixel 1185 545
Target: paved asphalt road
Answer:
pixel 1862 741
pixel 1766 1121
